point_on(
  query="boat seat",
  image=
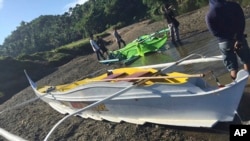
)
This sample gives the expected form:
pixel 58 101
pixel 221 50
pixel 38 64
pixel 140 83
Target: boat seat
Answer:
pixel 137 74
pixel 112 76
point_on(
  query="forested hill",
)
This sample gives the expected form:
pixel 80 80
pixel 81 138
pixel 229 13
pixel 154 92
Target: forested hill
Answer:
pixel 48 32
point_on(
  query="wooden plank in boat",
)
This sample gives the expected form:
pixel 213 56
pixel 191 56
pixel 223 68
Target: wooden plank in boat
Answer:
pixel 137 74
pixel 112 76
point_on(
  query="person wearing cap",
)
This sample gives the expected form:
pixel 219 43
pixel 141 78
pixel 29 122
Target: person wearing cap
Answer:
pixel 173 23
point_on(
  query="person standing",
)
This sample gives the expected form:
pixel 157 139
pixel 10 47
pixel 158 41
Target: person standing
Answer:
pixel 96 48
pixel 226 21
pixel 173 23
pixel 102 44
pixel 118 38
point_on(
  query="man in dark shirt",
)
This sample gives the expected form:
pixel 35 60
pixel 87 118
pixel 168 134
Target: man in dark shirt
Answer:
pixel 173 24
pixel 226 21
pixel 118 38
pixel 102 44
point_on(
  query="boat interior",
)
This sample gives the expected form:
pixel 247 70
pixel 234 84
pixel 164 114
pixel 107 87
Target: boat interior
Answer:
pixel 134 75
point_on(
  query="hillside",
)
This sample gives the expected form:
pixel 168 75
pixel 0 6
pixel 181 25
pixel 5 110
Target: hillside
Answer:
pixel 34 120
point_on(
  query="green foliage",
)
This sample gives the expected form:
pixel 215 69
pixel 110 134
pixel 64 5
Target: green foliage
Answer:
pixel 1 94
pixel 59 59
pixel 60 55
pixel 190 5
pixel 245 2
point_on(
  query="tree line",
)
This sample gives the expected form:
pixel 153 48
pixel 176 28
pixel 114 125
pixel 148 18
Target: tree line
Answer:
pixel 48 32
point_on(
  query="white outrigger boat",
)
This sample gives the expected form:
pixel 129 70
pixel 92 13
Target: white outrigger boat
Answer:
pixel 140 95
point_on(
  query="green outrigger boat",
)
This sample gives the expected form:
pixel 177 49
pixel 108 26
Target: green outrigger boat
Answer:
pixel 139 47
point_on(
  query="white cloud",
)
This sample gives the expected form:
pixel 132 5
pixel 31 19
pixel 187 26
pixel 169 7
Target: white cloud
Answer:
pixel 1 4
pixel 73 4
pixel 81 1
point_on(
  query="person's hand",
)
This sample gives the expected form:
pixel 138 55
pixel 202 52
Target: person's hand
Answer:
pixel 237 46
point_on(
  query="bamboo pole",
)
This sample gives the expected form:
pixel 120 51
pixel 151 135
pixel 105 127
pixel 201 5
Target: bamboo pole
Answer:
pixel 186 62
pixel 150 77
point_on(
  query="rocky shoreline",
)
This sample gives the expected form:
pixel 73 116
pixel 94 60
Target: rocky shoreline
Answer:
pixel 34 120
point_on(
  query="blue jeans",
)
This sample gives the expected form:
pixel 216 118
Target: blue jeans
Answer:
pixel 230 56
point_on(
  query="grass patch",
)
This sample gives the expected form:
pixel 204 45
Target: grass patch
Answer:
pixel 1 94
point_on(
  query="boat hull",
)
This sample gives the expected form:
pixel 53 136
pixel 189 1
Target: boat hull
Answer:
pixel 192 104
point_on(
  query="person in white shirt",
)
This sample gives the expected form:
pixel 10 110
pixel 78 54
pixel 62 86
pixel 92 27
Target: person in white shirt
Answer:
pixel 96 48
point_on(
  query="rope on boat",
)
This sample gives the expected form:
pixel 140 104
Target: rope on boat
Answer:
pixel 216 79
